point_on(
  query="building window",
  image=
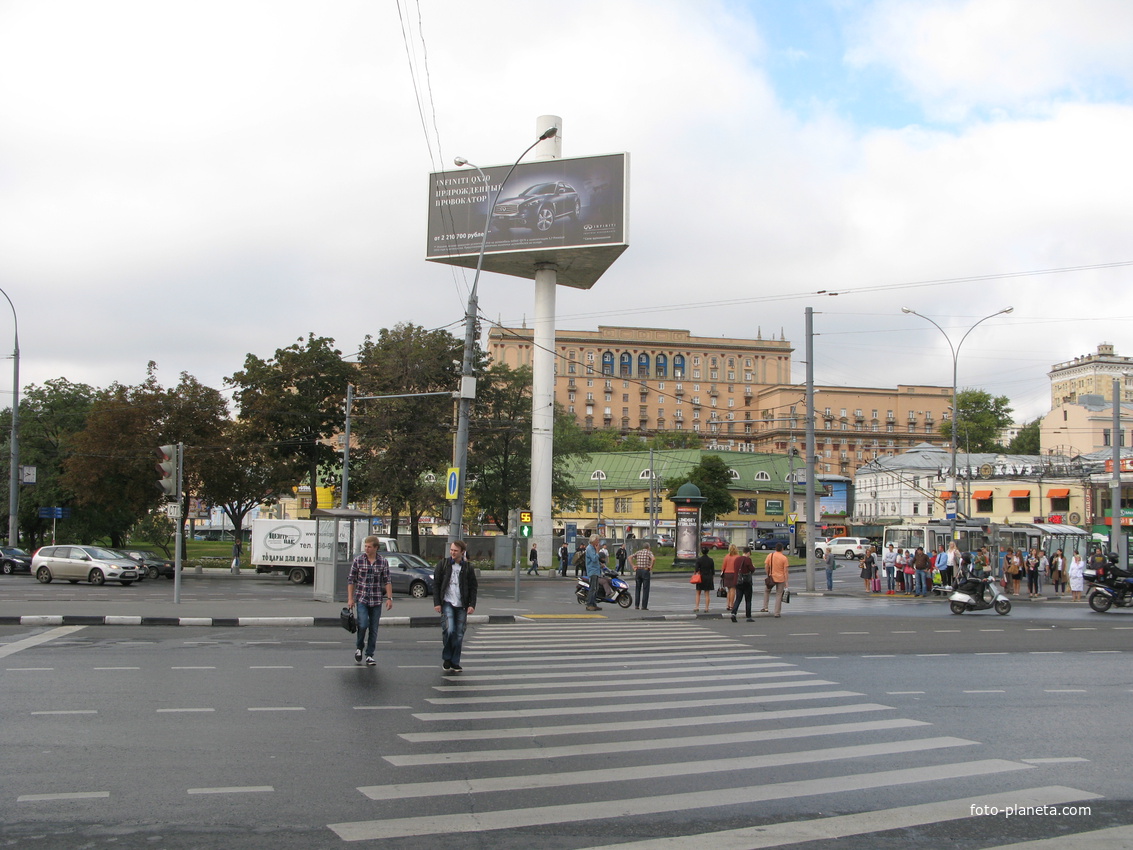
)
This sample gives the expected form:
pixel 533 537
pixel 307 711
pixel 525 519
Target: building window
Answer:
pixel 983 506
pixel 607 362
pixel 651 505
pixel 643 365
pixel 679 366
pixel 572 368
pixel 623 504
pixel 626 364
pixel 1021 505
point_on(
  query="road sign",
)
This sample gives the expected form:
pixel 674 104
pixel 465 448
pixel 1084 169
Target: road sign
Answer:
pixel 54 513
pixel 452 482
pixel 525 523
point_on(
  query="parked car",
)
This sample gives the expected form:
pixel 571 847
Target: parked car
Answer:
pixel 13 560
pixel 155 565
pixel 714 542
pixel 850 547
pixel 537 207
pixel 83 563
pixel 770 541
pixel 666 540
pixel 410 574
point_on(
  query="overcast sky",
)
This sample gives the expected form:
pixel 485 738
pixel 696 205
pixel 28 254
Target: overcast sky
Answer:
pixel 191 182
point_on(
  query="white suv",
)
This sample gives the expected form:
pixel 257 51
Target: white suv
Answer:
pixel 849 547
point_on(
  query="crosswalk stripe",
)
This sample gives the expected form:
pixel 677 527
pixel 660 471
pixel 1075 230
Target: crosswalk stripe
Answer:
pixel 593 810
pixel 653 771
pixel 700 650
pixel 652 744
pixel 640 724
pixel 564 664
pixel 732 673
pixel 844 826
pixel 644 692
pixel 1114 838
pixel 637 708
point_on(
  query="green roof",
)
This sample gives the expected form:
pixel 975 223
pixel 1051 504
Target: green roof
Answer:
pixel 630 470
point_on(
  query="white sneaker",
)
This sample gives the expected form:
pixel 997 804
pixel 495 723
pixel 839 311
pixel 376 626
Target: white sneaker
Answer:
pixel 370 661
pixel 357 656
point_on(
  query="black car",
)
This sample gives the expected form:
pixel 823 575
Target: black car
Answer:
pixel 537 207
pixel 155 565
pixel 14 560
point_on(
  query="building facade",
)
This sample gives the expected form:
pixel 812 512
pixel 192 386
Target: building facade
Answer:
pixel 1084 426
pixel 735 393
pixel 646 380
pixel 1091 375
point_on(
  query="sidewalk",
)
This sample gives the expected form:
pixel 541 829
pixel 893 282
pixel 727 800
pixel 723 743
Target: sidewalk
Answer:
pixel 252 602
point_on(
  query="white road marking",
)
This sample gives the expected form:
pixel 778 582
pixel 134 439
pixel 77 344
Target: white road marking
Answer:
pixel 75 711
pixel 829 829
pixel 388 708
pixel 640 724
pixel 1065 691
pixel 183 710
pixel 652 745
pixel 117 668
pixel 234 789
pixel 271 667
pixel 594 810
pixel 750 686
pixel 67 795
pixel 633 708
pixel 1113 838
pixel 192 668
pixel 276 708
pixel 731 675
pixel 652 771
pixel 29 669
pixel 988 691
pixel 1064 760
pixel 35 640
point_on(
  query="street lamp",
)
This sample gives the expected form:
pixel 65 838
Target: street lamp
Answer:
pixel 467 375
pixel 14 472
pixel 955 358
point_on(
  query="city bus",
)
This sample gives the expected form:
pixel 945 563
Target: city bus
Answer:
pixel 971 535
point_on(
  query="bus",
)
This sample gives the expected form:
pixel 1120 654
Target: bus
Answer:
pixel 971 536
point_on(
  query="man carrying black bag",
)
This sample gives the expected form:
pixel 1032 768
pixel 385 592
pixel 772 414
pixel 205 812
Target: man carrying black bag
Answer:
pixel 368 583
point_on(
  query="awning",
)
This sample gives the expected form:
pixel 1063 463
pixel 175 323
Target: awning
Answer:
pixel 947 494
pixel 981 494
pixel 1058 493
pixel 1019 494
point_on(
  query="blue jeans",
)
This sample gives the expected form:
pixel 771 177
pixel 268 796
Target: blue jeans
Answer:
pixel 890 581
pixel 829 578
pixel 453 622
pixel 922 583
pixel 368 618
pixel 641 587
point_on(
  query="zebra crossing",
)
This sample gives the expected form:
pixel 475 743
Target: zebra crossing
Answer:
pixel 701 732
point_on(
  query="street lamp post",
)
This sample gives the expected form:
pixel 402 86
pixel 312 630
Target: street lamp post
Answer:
pixel 955 359
pixel 14 471
pixel 467 374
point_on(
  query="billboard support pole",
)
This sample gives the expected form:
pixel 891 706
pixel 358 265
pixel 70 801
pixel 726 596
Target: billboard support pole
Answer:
pixel 543 371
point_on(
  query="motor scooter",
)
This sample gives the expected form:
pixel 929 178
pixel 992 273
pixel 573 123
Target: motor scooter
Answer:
pixel 621 595
pixel 978 593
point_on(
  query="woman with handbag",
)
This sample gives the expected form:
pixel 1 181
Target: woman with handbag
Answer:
pixel 706 570
pixel 728 574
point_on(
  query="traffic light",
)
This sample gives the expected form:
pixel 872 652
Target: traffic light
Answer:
pixel 167 470
pixel 525 523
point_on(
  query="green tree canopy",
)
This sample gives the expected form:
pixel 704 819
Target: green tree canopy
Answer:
pixel 1027 441
pixel 711 475
pixel 981 419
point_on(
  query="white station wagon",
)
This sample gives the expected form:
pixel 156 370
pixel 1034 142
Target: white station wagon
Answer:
pixel 83 563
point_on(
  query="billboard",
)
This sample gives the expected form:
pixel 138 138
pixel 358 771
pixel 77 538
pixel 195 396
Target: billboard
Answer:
pixel 571 212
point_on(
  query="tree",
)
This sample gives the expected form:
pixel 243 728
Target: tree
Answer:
pixel 402 440
pixel 50 416
pixel 499 460
pixel 981 419
pixel 295 401
pixel 237 474
pixel 111 470
pixel 711 475
pixel 1027 441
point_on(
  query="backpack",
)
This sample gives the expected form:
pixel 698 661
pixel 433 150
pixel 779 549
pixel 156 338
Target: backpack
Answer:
pixel 579 558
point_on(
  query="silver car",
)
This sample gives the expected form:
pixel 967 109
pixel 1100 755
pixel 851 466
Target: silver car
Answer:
pixel 83 563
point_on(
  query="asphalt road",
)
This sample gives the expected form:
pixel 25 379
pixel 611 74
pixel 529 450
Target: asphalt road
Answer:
pixel 867 721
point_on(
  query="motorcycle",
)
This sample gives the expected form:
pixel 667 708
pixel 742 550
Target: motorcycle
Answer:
pixel 620 596
pixel 978 593
pixel 1109 586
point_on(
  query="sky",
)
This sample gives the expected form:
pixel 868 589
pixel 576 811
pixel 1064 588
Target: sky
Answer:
pixel 189 183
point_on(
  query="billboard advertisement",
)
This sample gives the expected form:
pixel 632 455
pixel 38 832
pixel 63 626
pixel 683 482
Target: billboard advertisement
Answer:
pixel 571 212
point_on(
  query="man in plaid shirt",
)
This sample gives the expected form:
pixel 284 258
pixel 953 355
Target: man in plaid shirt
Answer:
pixel 367 583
